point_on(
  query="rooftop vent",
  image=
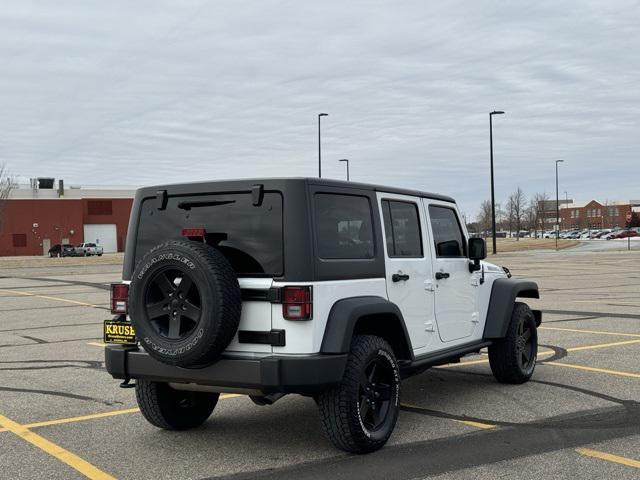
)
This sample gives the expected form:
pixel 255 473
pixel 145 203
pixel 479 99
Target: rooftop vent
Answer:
pixel 45 183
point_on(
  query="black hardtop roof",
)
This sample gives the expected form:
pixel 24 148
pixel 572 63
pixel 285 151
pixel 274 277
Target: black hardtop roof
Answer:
pixel 276 183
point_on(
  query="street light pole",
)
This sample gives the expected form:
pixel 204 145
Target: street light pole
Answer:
pixel 493 197
pixel 557 206
pixel 319 145
pixel 347 162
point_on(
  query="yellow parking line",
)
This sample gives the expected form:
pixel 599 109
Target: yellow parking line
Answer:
pixel 65 456
pixel 609 457
pixel 595 332
pixel 47 297
pixel 96 344
pixel 81 418
pixel 544 353
pixel 111 413
pixel 592 369
pixel 471 423
pixel 484 426
pixel 602 345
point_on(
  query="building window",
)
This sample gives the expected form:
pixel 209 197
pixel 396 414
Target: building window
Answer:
pixel 19 239
pixel 99 207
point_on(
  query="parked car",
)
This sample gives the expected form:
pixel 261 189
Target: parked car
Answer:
pixel 64 250
pixel 549 234
pixel 245 294
pixel 612 235
pixel 88 249
pixel 627 233
pixel 602 233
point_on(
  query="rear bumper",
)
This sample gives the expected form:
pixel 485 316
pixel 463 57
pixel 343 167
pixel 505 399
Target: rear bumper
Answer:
pixel 273 374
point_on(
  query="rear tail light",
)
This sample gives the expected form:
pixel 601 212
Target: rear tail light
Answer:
pixel 297 303
pixel 194 233
pixel 119 298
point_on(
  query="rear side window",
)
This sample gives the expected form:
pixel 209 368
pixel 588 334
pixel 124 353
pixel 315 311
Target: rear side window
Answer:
pixel 402 229
pixel 344 227
pixel 447 234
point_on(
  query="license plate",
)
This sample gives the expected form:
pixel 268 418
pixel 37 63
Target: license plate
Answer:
pixel 119 332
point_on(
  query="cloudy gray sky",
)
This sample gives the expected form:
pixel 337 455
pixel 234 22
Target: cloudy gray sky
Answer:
pixel 142 92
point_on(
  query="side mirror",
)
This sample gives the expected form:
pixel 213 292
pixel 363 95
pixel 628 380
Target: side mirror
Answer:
pixel 477 251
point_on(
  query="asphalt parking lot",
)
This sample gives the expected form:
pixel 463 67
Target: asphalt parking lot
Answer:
pixel 62 416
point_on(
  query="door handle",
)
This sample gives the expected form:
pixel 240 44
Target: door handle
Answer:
pixel 396 277
pixel 441 275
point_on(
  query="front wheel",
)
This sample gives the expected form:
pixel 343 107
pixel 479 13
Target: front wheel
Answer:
pixel 513 358
pixel 171 409
pixel 360 414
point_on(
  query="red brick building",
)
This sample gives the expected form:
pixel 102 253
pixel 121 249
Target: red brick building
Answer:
pixel 596 215
pixel 33 220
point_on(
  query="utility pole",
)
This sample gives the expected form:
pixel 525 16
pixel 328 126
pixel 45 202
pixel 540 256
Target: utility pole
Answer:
pixel 320 145
pixel 493 196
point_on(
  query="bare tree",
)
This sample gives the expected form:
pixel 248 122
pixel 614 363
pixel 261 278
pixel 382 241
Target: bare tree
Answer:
pixel 6 185
pixel 484 217
pixel 509 214
pixel 529 218
pixel 538 203
pixel 516 206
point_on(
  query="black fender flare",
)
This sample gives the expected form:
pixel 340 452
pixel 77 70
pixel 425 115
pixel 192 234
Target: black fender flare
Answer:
pixel 344 316
pixel 504 292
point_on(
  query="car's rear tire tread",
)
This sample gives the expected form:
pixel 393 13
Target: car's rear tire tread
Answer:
pixel 340 421
pixel 154 400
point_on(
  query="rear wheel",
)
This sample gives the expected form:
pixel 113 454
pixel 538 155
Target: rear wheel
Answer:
pixel 172 409
pixel 513 358
pixel 360 414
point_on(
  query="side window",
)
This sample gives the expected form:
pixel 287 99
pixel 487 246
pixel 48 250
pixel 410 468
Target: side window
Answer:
pixel 343 226
pixel 402 229
pixel 447 234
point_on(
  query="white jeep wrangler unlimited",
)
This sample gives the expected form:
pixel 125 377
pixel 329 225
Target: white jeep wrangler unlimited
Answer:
pixel 323 288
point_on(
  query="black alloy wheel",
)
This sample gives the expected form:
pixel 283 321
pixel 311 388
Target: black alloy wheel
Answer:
pixel 513 358
pixel 185 303
pixel 173 304
pixel 524 345
pixel 360 413
pixel 375 393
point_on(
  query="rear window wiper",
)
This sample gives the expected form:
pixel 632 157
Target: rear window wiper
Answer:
pixel 211 203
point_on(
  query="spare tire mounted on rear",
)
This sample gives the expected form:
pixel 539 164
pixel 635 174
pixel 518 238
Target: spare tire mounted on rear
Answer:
pixel 184 301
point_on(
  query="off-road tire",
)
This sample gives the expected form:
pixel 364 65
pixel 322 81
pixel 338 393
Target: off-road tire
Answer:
pixel 340 406
pixel 171 409
pixel 218 292
pixel 503 354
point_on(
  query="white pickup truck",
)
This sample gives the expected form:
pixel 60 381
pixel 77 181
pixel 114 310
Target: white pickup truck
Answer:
pixel 88 249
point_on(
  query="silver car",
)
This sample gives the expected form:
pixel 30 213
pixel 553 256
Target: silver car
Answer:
pixel 88 249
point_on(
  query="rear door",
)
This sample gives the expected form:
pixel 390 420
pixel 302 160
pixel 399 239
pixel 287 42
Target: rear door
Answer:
pixel 246 230
pixel 408 269
pixel 455 297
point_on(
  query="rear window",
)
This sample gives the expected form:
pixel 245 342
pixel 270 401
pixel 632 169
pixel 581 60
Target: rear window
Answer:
pixel 250 236
pixel 343 226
